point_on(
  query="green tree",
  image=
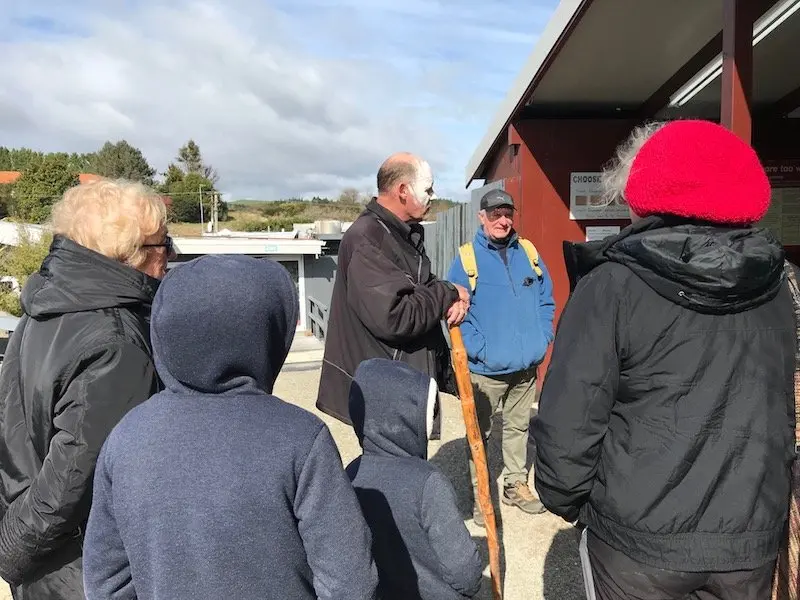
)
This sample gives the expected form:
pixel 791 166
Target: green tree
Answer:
pixel 81 163
pixel 172 175
pixel 40 186
pixel 22 158
pixel 186 194
pixel 5 159
pixel 191 160
pixel 19 159
pixel 121 160
pixel 6 199
pixel 349 195
pixel 21 262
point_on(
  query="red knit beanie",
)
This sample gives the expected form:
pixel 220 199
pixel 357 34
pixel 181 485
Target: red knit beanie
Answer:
pixel 699 170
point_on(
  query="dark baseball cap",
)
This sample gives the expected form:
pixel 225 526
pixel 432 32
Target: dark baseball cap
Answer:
pixel 495 198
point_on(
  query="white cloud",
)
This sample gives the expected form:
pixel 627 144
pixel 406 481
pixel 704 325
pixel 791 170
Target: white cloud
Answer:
pixel 281 101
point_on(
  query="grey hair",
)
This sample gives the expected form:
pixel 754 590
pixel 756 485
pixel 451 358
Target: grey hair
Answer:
pixel 615 175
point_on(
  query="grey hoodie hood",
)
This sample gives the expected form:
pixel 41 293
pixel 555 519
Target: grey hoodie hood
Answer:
pixel 392 406
pixel 223 325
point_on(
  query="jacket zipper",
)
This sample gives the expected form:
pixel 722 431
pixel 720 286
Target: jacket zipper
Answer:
pixel 507 263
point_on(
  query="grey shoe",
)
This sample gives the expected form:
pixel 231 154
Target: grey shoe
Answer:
pixel 520 495
pixel 477 515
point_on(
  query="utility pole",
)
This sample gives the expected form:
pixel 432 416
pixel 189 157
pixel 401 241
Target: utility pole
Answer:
pixel 202 221
pixel 215 211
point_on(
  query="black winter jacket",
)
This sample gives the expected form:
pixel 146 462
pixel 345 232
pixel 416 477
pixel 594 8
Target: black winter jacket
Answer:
pixel 664 422
pixel 421 546
pixel 386 303
pixel 79 360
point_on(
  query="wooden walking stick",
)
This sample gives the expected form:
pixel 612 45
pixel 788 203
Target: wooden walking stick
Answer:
pixel 475 441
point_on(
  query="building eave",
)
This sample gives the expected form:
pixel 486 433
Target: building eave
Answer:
pixel 557 30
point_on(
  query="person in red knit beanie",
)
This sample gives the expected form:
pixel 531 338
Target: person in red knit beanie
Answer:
pixel 697 170
pixel 663 428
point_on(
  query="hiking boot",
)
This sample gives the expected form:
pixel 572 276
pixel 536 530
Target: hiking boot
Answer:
pixel 519 494
pixel 477 515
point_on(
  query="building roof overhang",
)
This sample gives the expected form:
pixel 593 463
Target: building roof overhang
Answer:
pixel 599 58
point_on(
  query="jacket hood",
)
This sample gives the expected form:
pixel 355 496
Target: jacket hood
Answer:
pixel 73 279
pixel 703 267
pixel 392 406
pixel 223 325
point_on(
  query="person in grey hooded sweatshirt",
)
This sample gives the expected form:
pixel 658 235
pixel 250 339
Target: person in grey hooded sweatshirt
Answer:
pixel 421 546
pixel 215 488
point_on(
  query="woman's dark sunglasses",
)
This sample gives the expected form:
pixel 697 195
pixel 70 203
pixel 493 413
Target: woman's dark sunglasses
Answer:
pixel 167 243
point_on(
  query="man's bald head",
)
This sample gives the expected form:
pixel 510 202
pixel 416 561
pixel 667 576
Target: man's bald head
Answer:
pixel 405 186
pixel 401 167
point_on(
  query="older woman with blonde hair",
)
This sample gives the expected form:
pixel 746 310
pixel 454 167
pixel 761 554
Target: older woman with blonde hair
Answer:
pixel 79 360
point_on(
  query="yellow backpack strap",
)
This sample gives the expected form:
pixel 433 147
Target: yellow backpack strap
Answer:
pixel 533 255
pixel 468 262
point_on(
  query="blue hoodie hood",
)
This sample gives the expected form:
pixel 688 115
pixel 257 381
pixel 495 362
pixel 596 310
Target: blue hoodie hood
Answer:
pixel 223 325
pixel 392 405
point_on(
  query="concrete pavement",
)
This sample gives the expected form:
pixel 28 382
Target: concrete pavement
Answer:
pixel 539 553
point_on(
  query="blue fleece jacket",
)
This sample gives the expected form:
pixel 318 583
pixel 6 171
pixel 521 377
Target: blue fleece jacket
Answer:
pixel 510 320
pixel 421 546
pixel 215 488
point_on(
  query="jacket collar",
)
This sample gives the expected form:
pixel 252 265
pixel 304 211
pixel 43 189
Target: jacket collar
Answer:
pixel 581 257
pixel 413 232
pixel 482 239
pixel 74 278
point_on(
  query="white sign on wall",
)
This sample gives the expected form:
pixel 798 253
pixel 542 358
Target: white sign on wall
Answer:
pixel 586 199
pixel 599 232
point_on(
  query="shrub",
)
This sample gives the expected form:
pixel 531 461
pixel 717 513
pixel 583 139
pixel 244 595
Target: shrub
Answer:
pixel 273 224
pixel 21 262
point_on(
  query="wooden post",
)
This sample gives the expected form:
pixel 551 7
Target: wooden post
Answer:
pixel 737 66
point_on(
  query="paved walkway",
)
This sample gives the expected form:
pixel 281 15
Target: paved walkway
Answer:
pixel 306 353
pixel 539 553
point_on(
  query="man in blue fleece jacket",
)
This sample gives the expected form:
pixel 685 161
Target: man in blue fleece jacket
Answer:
pixel 215 488
pixel 422 548
pixel 506 334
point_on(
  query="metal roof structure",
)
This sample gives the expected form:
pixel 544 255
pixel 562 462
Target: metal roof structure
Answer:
pixel 600 58
pixel 278 243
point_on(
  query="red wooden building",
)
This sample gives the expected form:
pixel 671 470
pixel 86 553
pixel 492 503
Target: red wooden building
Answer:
pixel 602 67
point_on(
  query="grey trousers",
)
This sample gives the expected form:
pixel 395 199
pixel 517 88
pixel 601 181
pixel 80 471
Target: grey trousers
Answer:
pixel 517 393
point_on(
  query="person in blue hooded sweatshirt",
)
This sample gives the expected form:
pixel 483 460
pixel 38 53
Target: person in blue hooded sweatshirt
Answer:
pixel 421 546
pixel 215 488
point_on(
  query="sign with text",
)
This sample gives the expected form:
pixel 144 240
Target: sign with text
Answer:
pixel 599 232
pixel 586 199
pixel 783 173
pixel 783 217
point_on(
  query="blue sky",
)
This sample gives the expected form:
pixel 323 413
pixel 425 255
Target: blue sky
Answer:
pixel 285 97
